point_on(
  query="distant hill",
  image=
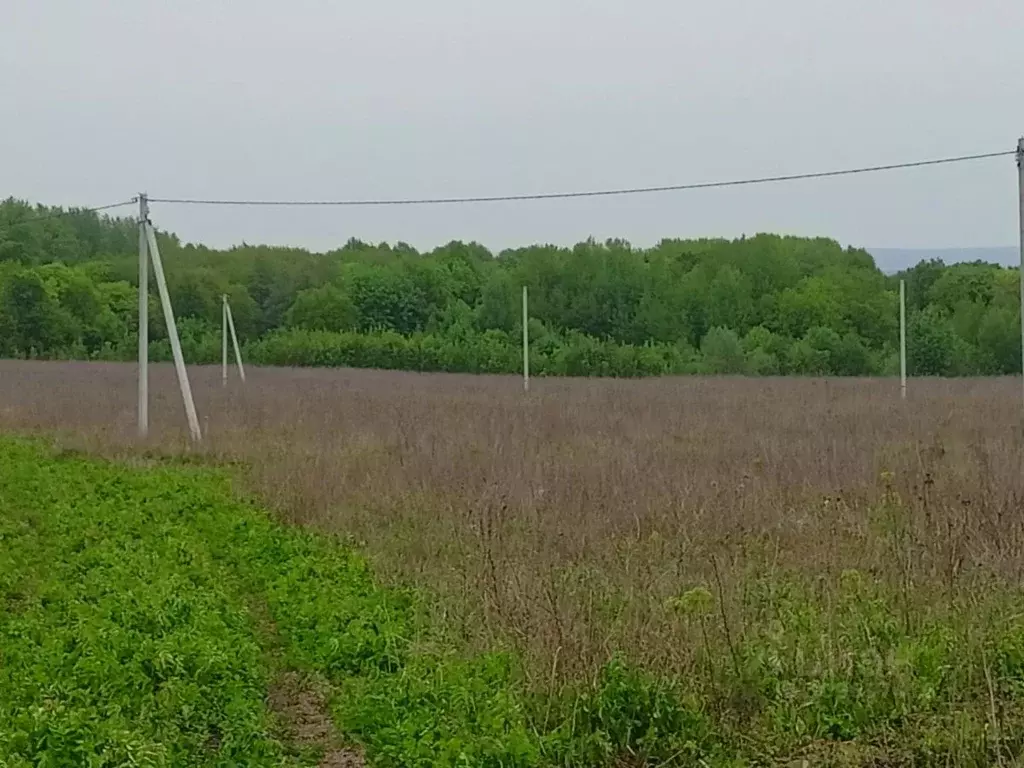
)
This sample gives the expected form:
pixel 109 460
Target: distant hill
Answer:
pixel 894 259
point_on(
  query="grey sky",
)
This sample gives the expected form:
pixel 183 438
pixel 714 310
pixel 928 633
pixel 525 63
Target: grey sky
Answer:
pixel 386 98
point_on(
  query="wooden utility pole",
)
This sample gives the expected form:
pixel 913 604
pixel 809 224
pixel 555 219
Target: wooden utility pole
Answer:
pixel 903 339
pixel 526 342
pixel 143 415
pixel 1020 194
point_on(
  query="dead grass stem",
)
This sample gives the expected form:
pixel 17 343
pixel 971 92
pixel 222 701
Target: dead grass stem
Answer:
pixel 561 523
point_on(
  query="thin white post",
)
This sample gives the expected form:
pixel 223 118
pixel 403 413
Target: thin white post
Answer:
pixel 224 340
pixel 526 343
pixel 143 412
pixel 903 339
pixel 172 332
pixel 1020 194
pixel 234 341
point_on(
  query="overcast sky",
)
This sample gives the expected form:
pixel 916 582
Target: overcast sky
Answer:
pixel 395 98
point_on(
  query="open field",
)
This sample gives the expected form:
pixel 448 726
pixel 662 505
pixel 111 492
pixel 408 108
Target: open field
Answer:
pixel 812 564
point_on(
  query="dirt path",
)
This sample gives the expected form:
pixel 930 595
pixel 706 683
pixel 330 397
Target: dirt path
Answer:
pixel 302 710
pixel 300 703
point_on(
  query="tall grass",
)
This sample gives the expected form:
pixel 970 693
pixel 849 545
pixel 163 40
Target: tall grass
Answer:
pixel 739 534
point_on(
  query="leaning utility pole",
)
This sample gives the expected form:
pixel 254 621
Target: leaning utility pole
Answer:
pixel 149 252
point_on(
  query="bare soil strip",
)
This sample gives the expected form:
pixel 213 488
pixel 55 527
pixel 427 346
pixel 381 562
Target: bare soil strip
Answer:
pixel 300 702
pixel 301 707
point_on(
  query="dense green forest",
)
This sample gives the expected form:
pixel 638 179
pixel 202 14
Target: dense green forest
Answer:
pixel 759 305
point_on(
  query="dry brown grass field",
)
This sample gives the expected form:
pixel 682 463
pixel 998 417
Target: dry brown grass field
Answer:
pixel 563 522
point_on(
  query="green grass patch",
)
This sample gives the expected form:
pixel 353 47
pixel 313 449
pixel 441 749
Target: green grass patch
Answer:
pixel 120 640
pixel 126 638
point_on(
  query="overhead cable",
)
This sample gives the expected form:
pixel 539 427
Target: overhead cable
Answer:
pixel 586 193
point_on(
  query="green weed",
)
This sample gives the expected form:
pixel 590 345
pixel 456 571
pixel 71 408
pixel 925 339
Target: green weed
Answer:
pixel 119 644
pixel 126 639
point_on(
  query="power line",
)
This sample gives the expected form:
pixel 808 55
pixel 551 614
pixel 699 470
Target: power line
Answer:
pixel 73 212
pixel 589 193
pixel 107 207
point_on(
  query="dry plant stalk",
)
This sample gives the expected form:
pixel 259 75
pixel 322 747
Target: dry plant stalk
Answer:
pixel 562 522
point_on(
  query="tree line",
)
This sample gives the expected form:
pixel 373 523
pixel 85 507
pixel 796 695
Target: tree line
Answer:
pixel 768 305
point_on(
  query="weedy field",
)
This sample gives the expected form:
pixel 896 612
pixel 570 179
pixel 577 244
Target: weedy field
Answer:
pixel 681 571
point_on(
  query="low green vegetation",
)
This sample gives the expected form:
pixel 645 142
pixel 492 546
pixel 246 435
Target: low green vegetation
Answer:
pixel 128 636
pixel 761 305
pixel 120 640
